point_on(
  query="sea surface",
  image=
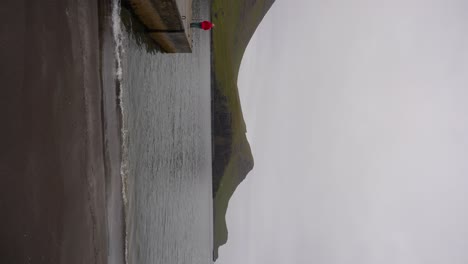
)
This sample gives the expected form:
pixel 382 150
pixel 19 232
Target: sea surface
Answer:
pixel 166 160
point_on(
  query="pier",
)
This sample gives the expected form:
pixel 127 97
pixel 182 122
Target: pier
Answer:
pixel 167 22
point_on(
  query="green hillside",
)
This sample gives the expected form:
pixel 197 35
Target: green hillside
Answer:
pixel 236 22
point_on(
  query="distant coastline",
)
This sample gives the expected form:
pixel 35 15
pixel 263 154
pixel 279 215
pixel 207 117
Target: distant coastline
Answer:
pixel 232 156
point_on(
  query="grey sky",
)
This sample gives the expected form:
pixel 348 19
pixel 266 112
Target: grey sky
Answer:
pixel 357 113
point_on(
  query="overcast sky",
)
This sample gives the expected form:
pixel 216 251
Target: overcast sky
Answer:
pixel 357 113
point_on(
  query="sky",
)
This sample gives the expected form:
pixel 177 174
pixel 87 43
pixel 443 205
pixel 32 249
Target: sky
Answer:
pixel 357 114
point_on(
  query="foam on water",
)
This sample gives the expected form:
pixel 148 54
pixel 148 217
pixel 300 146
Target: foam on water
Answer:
pixel 119 51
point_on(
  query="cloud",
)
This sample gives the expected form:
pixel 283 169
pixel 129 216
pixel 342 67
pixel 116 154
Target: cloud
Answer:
pixel 356 111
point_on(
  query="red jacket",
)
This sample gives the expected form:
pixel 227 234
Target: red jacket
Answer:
pixel 206 25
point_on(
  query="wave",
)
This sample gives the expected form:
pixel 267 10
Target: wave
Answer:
pixel 119 52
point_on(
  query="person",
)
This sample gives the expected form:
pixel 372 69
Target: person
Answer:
pixel 205 25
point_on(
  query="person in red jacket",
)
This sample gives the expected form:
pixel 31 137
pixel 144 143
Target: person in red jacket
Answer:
pixel 205 25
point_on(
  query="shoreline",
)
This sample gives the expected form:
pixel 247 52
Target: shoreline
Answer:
pixel 61 193
pixel 112 136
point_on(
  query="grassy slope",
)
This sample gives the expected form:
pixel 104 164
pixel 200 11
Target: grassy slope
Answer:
pixel 236 22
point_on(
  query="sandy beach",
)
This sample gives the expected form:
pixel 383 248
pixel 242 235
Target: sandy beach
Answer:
pixel 59 159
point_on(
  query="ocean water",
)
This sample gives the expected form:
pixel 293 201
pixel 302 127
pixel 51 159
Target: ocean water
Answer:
pixel 166 163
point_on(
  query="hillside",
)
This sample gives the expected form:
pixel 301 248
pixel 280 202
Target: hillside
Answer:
pixel 236 22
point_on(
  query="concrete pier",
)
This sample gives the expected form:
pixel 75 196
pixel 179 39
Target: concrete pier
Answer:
pixel 167 22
